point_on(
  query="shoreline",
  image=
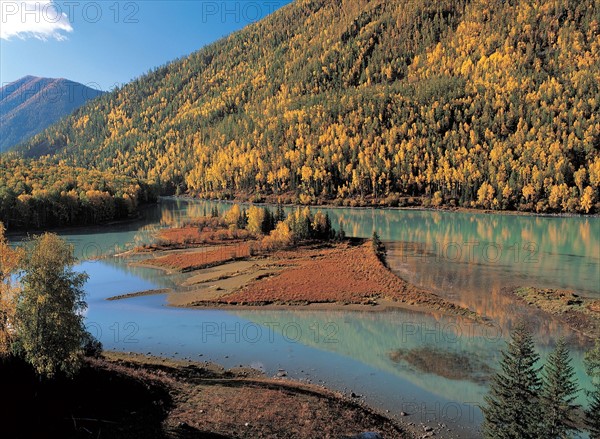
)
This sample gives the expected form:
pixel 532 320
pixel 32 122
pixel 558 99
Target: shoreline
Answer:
pixel 418 208
pixel 22 233
pixel 236 283
pixel 139 216
pixel 132 395
pixel 156 292
pixel 381 306
pixel 225 273
pixel 247 378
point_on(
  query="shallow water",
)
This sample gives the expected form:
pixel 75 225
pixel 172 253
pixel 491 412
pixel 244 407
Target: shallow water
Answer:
pixel 431 366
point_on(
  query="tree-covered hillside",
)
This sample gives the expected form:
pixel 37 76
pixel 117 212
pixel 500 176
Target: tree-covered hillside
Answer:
pixel 488 103
pixel 40 194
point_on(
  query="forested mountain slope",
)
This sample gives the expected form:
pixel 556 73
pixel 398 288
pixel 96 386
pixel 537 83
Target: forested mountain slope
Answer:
pixel 31 104
pixel 478 103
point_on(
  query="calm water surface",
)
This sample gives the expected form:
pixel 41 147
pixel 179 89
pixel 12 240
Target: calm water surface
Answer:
pixel 431 366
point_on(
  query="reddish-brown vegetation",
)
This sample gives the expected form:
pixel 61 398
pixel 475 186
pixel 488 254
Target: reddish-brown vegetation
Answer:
pixel 343 274
pixel 347 273
pixel 196 260
pixel 208 401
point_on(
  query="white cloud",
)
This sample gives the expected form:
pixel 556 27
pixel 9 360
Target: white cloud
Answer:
pixel 40 19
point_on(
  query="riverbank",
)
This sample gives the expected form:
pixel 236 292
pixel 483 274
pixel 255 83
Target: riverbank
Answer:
pixel 581 314
pixel 405 205
pixel 138 216
pixel 135 396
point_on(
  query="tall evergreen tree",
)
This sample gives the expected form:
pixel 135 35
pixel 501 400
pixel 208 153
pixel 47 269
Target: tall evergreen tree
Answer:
pixel 280 215
pixel 512 407
pixel 593 413
pixel 306 224
pixel 268 222
pixel 328 227
pixel 559 392
pixel 242 220
pixel 592 366
pixel 340 235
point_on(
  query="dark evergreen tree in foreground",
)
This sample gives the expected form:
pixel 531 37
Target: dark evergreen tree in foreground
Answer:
pixel 512 407
pixel 559 392
pixel 592 366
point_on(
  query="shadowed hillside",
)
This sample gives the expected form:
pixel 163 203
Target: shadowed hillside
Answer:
pixel 31 104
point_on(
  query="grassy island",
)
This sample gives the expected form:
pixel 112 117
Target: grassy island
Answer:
pixel 258 258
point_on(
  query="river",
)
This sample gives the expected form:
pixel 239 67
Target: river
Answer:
pixel 430 366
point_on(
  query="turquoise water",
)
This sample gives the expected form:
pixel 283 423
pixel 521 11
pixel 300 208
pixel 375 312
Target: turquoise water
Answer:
pixel 466 257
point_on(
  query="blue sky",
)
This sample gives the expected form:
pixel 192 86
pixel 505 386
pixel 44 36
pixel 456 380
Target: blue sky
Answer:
pixel 108 43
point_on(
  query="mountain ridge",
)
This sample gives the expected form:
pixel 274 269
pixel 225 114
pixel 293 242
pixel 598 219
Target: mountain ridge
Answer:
pixel 31 104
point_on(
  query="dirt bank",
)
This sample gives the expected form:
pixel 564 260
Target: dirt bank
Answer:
pixel 133 396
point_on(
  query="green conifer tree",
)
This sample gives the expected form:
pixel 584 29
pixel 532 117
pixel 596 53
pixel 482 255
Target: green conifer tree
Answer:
pixel 268 223
pixel 592 366
pixel 242 221
pixel 280 215
pixel 559 392
pixel 329 231
pixel 512 408
pixel 341 233
pixel 379 248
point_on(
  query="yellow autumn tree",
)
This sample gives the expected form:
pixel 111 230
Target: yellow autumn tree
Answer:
pixel 9 263
pixel 587 199
pixel 367 100
pixel 232 216
pixel 437 199
pixel 559 196
pixel 256 216
pixel 281 237
pixel 485 195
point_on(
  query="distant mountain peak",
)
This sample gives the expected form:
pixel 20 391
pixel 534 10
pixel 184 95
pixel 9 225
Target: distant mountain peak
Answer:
pixel 32 103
